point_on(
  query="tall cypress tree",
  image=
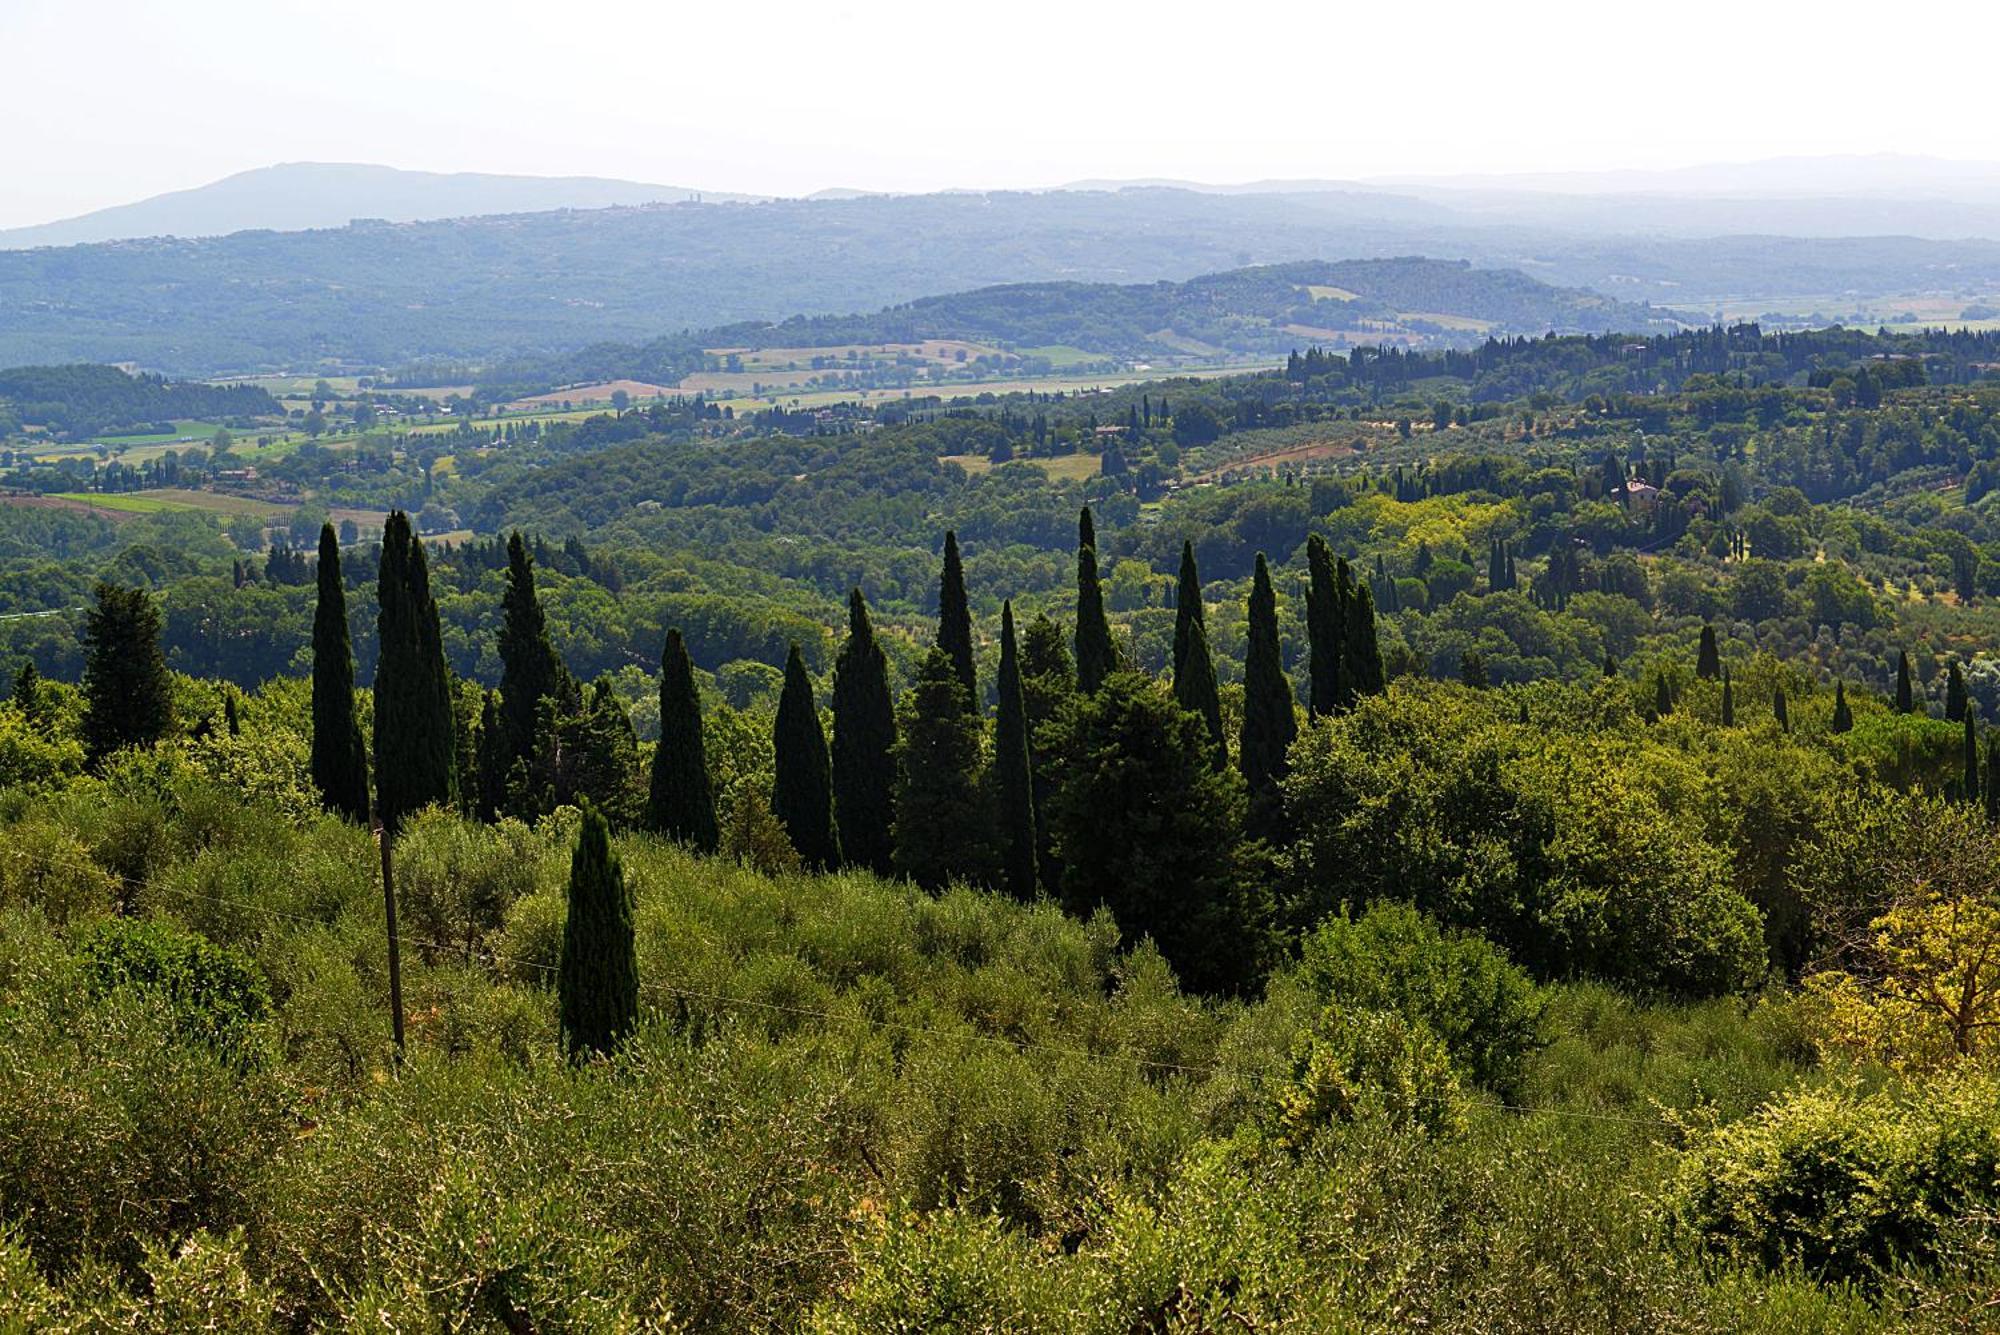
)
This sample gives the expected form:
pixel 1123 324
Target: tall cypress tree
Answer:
pixel 802 786
pixel 597 981
pixel 1096 657
pixel 127 696
pixel 1843 717
pixel 492 774
pixel 864 746
pixel 1361 668
pixel 943 824
pixel 530 670
pixel 1013 772
pixel 1047 681
pixel 339 756
pixel 1905 693
pixel 1327 592
pixel 416 743
pixel 1188 609
pixel 680 803
pixel 955 622
pixel 1196 691
pixel 1954 694
pixel 1269 724
pixel 1728 701
pixel 1708 662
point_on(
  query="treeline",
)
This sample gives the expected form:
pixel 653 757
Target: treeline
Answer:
pixel 85 399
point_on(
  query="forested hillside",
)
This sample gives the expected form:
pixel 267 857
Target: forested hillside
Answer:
pixel 80 400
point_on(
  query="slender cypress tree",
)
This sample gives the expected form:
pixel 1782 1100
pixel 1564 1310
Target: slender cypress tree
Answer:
pixel 492 772
pixel 128 697
pixel 1779 710
pixel 339 756
pixel 1269 724
pixel 1663 699
pixel 1843 717
pixel 680 803
pixel 1188 609
pixel 1954 694
pixel 529 667
pixel 1196 691
pixel 416 743
pixel 27 693
pixel 943 821
pixel 864 746
pixel 802 787
pixel 1610 666
pixel 1708 662
pixel 1971 759
pixel 1096 658
pixel 955 622
pixel 1905 693
pixel 1728 701
pixel 1361 668
pixel 1047 681
pixel 1326 628
pixel 597 982
pixel 1013 772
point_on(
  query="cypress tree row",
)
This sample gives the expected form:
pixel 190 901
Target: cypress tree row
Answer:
pixel 864 746
pixel 339 756
pixel 802 787
pixel 1361 664
pixel 530 670
pixel 1708 662
pixel 597 981
pixel 1327 612
pixel 1843 717
pixel 679 801
pixel 1013 773
pixel 1196 691
pixel 416 744
pixel 1096 658
pixel 1188 609
pixel 1954 694
pixel 955 622
pixel 943 825
pixel 1905 693
pixel 1268 722
pixel 128 697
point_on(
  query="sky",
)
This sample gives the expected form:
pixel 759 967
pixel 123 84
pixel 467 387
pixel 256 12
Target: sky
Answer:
pixel 107 101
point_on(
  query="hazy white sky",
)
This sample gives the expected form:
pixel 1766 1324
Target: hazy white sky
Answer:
pixel 105 101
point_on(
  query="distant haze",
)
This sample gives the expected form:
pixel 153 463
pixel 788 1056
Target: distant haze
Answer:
pixel 114 101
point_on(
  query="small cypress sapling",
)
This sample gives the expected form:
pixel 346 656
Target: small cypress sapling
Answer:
pixel 802 784
pixel 1610 666
pixel 680 803
pixel 1013 772
pixel 864 746
pixel 1843 717
pixel 954 634
pixel 1708 661
pixel 1779 710
pixel 597 981
pixel 1663 698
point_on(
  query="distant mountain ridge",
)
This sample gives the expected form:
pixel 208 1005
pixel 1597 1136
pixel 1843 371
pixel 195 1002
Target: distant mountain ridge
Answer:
pixel 296 196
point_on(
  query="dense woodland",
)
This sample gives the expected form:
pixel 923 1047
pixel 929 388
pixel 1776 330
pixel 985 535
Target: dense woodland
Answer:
pixel 1380 850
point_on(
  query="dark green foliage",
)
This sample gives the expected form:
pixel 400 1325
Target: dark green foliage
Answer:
pixel 585 750
pixel 1361 664
pixel 1905 692
pixel 217 995
pixel 416 746
pixel 1970 781
pixel 1327 596
pixel 339 757
pixel 1456 984
pixel 1096 656
pixel 530 670
pixel 943 821
pixel 492 774
pixel 802 783
pixel 128 698
pixel 680 803
pixel 1269 723
pixel 1188 609
pixel 1610 668
pixel 1013 774
pixel 864 746
pixel 1991 790
pixel 1954 694
pixel 1728 701
pixel 1195 690
pixel 1663 696
pixel 597 980
pixel 26 694
pixel 955 622
pixel 1047 682
pixel 1708 661
pixel 1843 717
pixel 1147 827
pixel 1779 710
